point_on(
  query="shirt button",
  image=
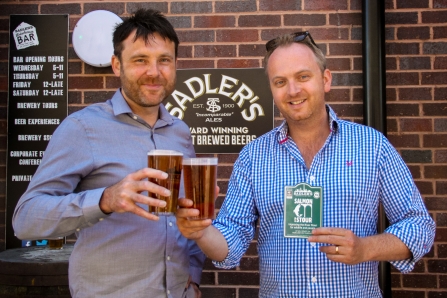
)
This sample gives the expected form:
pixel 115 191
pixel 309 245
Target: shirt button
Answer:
pixel 169 292
pixel 314 279
pixel 101 219
pixel 135 117
pixel 313 244
pixel 78 229
pixel 168 258
pixel 170 224
pixel 312 178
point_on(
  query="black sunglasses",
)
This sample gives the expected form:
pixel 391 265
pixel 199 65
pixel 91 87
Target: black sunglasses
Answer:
pixel 297 37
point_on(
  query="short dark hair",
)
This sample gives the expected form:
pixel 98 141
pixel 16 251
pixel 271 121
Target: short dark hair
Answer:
pixel 146 22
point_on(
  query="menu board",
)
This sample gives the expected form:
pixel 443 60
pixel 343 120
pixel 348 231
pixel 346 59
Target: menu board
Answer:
pixel 37 99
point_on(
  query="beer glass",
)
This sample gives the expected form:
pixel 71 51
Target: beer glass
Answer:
pixel 199 175
pixel 168 161
pixel 56 243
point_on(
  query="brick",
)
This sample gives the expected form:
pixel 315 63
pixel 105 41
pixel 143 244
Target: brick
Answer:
pixel 237 278
pixel 417 156
pixel 74 97
pixel 282 5
pixel 356 33
pixel 392 48
pixel 113 82
pixel 358 63
pixel 435 172
pixel 425 188
pixel 347 79
pixel 398 78
pixel 4 38
pixel 442 248
pixel 252 50
pixel 190 64
pixel 439 32
pixel 196 36
pixel 391 125
pixel 408 294
pixel 305 20
pixel 191 7
pixel 415 94
pixel 441 187
pixel 434 203
pixel 419 281
pixel 434 48
pixel 389 33
pixel 441 294
pixel 4 53
pixel 244 35
pixel 326 5
pixel 395 280
pixel 415 171
pixel 338 63
pixel 440 125
pixel 434 16
pixel 340 19
pixel 131 7
pixel 249 292
pixel 8 9
pixel 415 124
pixel 390 63
pixel 4 24
pixel 74 67
pixel 440 94
pixel 180 22
pixel 214 21
pixel 214 51
pixel 414 63
pixel 413 33
pixel 434 109
pixel 440 63
pixel 238 63
pixel 337 95
pixel 412 3
pixel 404 141
pixel 250 264
pixel 97 96
pixel 332 34
pixel 399 110
pixel 440 156
pixel 71 9
pixel 437 266
pixel 88 69
pixel 235 6
pixel 259 21
pixel 435 140
pixel 348 110
pixel 217 292
pixel 441 236
pixel 115 7
pixel 394 18
pixel 76 82
pixel 184 52
pixel 439 3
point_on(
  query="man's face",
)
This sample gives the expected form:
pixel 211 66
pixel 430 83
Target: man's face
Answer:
pixel 147 71
pixel 297 84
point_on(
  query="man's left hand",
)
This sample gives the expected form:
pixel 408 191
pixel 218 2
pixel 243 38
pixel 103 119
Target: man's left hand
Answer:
pixel 345 246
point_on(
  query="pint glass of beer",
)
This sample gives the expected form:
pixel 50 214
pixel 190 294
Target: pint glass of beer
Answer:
pixel 199 175
pixel 168 161
pixel 56 243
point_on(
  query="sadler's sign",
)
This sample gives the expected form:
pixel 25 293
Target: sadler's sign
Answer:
pixel 224 108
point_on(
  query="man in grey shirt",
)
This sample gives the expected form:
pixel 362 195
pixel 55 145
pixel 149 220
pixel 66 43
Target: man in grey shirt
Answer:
pixel 93 178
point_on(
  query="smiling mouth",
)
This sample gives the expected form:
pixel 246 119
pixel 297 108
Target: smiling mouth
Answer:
pixel 297 102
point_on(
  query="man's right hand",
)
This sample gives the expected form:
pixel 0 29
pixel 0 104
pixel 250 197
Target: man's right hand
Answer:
pixel 124 195
pixel 191 229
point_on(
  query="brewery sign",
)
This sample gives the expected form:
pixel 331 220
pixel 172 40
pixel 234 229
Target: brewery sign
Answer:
pixel 224 108
pixel 37 99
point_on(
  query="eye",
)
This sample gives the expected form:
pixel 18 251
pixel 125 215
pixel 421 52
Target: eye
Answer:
pixel 279 83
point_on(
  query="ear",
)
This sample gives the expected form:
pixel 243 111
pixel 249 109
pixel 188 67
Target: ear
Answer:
pixel 116 65
pixel 327 80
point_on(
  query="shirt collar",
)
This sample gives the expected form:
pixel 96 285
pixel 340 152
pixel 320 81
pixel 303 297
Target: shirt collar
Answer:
pixel 282 133
pixel 120 106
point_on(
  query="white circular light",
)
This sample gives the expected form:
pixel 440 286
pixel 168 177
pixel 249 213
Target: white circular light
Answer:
pixel 93 37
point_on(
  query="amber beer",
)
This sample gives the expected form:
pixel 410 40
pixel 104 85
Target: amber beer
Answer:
pixel 200 176
pixel 168 161
pixel 56 243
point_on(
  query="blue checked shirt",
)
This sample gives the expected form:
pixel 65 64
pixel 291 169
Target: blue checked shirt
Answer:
pixel 357 168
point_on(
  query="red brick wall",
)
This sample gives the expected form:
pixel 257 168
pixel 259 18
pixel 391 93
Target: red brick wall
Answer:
pixel 232 34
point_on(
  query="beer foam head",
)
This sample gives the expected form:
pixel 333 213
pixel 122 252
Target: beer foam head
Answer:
pixel 164 152
pixel 200 161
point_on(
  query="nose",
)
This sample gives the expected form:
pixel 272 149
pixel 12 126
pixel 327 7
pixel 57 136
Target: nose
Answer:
pixel 294 88
pixel 152 69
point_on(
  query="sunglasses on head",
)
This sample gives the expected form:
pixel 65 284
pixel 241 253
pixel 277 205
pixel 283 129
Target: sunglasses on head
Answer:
pixel 297 37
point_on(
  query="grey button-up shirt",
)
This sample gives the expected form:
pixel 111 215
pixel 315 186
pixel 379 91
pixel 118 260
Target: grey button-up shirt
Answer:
pixel 117 255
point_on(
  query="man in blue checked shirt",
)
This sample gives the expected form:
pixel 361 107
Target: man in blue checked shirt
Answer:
pixel 315 184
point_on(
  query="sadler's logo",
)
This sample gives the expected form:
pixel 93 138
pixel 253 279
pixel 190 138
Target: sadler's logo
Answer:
pixel 198 87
